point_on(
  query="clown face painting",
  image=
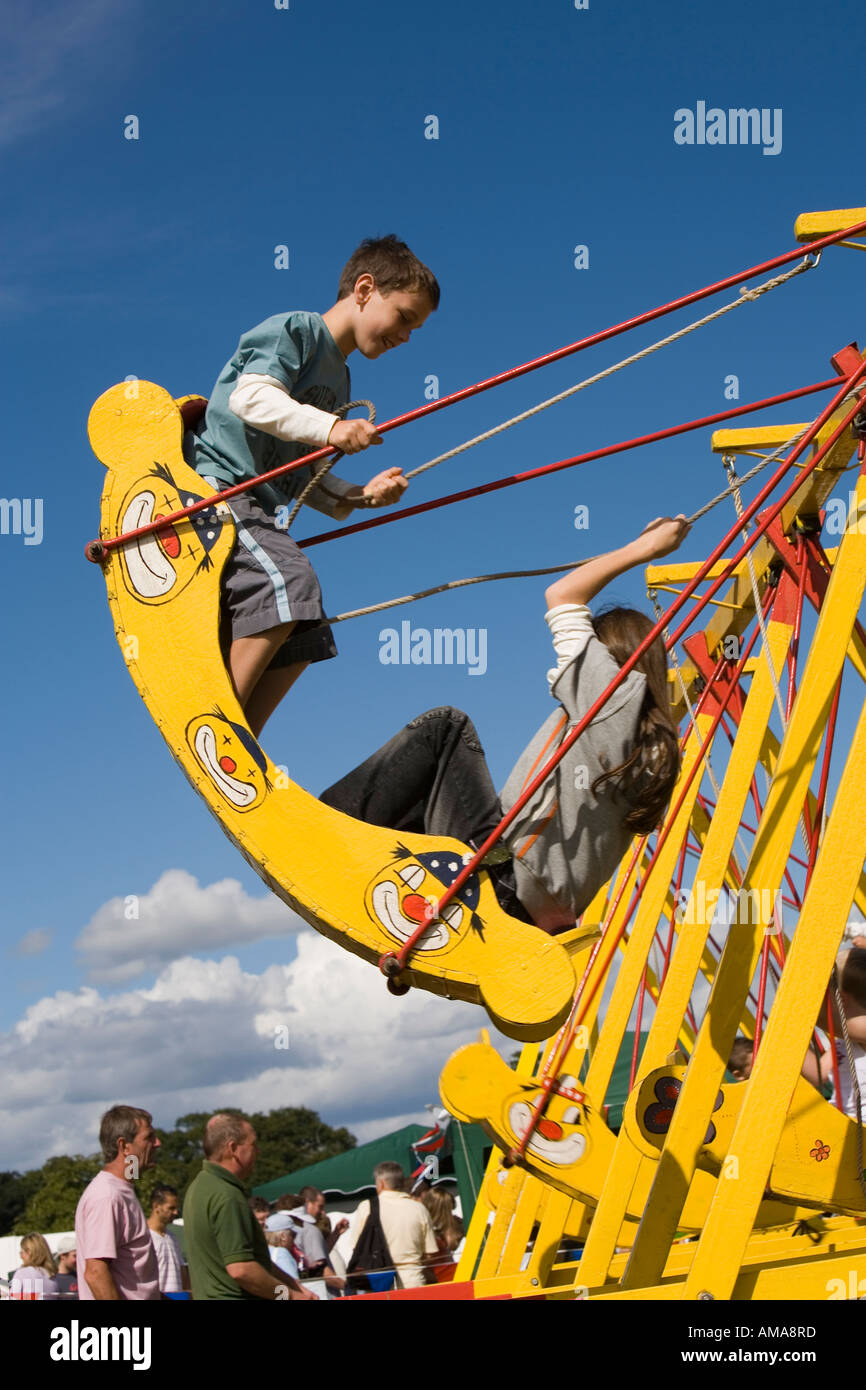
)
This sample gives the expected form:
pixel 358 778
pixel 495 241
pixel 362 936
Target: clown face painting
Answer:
pixel 400 894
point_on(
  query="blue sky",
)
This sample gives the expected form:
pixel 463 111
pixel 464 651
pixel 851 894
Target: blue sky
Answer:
pixel 305 127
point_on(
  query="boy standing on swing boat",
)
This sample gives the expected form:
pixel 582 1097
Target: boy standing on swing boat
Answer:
pixel 276 399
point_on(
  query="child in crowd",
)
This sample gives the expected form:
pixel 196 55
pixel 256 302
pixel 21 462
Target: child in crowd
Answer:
pixel 614 782
pixel 274 401
pixel 741 1058
pixel 447 1228
pixel 851 968
pixel 36 1277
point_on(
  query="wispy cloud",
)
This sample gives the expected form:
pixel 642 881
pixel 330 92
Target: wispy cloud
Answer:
pixel 42 50
pixel 33 943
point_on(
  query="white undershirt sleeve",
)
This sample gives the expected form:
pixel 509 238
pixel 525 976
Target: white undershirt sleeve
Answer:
pixel 264 403
pixel 571 628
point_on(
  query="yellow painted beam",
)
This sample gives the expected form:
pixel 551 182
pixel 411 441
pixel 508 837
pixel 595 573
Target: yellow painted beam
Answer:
pixel 769 854
pixel 622 1173
pixel 667 1197
pixel 810 226
pixel 796 1006
pixel 754 437
pixel 656 575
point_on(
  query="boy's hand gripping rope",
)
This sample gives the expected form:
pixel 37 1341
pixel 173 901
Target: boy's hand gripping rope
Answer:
pixel 317 476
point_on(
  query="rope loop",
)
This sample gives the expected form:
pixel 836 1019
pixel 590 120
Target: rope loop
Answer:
pixel 341 411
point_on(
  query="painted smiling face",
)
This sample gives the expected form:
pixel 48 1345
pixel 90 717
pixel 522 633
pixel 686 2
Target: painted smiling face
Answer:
pixel 560 1136
pixel 231 758
pixel 399 895
pixel 159 566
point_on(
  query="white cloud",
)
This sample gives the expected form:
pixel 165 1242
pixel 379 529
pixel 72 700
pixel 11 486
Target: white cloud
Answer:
pixel 128 936
pixel 202 1037
pixel 33 943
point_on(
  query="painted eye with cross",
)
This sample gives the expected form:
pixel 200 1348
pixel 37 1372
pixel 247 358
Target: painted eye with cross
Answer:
pixel 158 567
pixel 400 894
pixel 560 1136
pixel 230 757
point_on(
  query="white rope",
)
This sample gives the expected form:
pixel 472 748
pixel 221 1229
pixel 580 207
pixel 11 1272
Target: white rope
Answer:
pixel 455 584
pixel 745 297
pixel 774 457
pixel 554 569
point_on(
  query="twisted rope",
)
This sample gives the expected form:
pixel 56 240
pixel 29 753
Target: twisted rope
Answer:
pixel 746 296
pixel 318 474
pixel 554 569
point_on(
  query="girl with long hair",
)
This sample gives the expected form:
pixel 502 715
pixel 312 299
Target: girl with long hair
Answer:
pixel 614 782
pixel 35 1279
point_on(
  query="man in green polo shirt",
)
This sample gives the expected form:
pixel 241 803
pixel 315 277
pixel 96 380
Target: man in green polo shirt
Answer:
pixel 225 1246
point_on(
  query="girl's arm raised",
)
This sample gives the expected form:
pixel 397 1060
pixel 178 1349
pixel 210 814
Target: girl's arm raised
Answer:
pixel 660 537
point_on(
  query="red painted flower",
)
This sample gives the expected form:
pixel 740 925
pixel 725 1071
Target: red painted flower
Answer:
pixel 820 1151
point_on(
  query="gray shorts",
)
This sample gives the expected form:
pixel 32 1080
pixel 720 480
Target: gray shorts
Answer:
pixel 268 580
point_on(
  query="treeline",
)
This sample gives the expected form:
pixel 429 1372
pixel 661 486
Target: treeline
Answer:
pixel 44 1199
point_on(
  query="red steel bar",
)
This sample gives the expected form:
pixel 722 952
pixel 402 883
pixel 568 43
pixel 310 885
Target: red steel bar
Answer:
pixel 98 550
pixel 762 991
pixel 496 486
pixel 580 1006
pixel 393 962
pixel 101 548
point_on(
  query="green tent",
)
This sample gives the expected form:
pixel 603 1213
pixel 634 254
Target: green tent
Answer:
pixel 463 1159
pixel 351 1173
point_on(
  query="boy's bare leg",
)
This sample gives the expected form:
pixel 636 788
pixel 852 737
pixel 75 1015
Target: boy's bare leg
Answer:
pixel 272 686
pixel 249 658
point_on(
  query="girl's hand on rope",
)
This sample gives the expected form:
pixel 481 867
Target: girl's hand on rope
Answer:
pixel 664 534
pixel 351 436
pixel 386 487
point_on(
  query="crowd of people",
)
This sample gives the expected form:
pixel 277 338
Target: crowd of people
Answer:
pixel 238 1247
pixel 235 1247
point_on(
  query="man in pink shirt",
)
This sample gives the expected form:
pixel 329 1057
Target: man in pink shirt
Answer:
pixel 116 1259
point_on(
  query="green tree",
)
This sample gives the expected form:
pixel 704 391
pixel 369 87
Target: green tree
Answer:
pixel 294 1137
pixel 51 1207
pixel 16 1189
pixel 289 1138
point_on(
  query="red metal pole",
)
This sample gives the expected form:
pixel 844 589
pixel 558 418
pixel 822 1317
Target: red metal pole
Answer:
pixel 498 484
pixel 580 1006
pixel 100 548
pixel 393 962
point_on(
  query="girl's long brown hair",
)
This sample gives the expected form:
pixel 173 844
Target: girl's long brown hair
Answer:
pixel 647 778
pixel 37 1254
